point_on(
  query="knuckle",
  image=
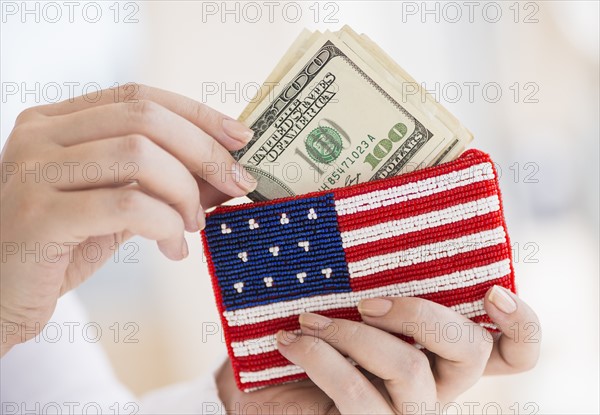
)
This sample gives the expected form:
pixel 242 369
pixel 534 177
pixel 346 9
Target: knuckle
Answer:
pixel 201 111
pixel 212 163
pixel 356 386
pixel 414 310
pixel 136 147
pixel 347 332
pixel 187 203
pixel 177 226
pixel 141 90
pixel 26 115
pixel 23 131
pixel 142 111
pixel 129 201
pixel 310 346
pixel 191 194
pixel 34 128
pixel 213 150
pixel 206 116
pixel 308 349
pixel 131 92
pixel 29 208
pixel 22 144
pixel 408 310
pixel 416 365
pixel 483 348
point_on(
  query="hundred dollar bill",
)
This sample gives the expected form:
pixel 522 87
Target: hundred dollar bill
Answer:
pixel 333 113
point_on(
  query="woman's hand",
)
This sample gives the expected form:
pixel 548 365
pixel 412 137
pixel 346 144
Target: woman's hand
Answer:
pixel 80 177
pixel 396 377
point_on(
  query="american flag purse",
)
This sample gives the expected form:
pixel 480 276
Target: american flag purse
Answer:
pixel 437 233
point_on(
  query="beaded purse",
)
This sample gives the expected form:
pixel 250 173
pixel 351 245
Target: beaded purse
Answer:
pixel 437 233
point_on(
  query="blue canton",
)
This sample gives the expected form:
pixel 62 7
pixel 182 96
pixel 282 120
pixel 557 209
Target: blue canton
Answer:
pixel 275 253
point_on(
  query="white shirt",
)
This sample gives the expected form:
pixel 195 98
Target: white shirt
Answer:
pixel 66 374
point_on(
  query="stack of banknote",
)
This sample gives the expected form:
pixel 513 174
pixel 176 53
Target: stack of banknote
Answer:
pixel 337 111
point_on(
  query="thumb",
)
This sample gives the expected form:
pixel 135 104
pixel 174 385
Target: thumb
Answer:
pixel 518 347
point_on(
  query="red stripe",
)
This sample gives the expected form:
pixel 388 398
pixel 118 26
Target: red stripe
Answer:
pixel 420 206
pixel 442 233
pixel 432 269
pixel 261 361
pixel 265 328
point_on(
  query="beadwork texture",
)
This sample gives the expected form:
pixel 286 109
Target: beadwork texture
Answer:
pixel 437 233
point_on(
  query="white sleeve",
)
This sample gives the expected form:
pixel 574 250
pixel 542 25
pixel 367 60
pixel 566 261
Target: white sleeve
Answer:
pixel 197 397
pixel 61 373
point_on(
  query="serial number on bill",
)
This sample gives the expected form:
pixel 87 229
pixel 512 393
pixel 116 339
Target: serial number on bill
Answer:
pixel 342 167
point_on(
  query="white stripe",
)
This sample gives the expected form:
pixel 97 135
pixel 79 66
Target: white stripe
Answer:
pixel 417 223
pixel 470 310
pixel 255 346
pixel 455 280
pixel 271 373
pixel 474 309
pixel 426 253
pixel 414 190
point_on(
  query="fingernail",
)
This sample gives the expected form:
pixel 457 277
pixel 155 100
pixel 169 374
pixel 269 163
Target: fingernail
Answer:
pixel 237 130
pixel 286 337
pixel 184 249
pixel 200 219
pixel 243 179
pixel 374 307
pixel 501 299
pixel 314 321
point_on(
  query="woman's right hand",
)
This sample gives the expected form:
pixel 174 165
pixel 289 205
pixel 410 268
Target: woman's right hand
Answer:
pixel 80 177
pixel 396 377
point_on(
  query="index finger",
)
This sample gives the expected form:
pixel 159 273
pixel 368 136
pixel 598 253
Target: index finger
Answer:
pixel 231 133
pixel 438 328
pixel 332 373
pixel 198 151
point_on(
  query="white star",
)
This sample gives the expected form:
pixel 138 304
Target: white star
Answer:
pixel 243 256
pixel 225 229
pixel 326 272
pixel 301 276
pixel 274 250
pixel 303 244
pixel 312 214
pixel 284 219
pixel 252 224
pixel 268 281
pixel 238 286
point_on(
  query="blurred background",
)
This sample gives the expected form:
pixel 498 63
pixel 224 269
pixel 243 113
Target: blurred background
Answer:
pixel 522 76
